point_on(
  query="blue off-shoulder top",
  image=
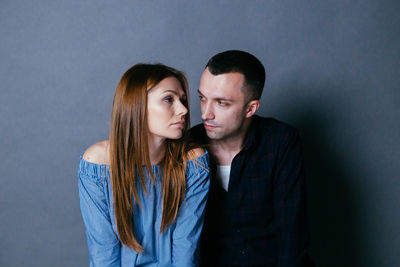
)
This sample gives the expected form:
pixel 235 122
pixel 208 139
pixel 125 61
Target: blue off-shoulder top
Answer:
pixel 178 245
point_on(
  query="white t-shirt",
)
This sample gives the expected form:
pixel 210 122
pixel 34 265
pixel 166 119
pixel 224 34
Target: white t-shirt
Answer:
pixel 223 172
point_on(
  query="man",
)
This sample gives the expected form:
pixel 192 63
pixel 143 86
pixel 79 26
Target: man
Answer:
pixel 256 211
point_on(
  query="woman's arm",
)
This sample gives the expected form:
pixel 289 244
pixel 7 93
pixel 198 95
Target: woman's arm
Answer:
pixel 103 243
pixel 189 222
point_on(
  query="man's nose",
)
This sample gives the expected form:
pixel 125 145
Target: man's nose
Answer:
pixel 206 112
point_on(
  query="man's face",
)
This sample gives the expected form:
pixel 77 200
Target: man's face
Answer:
pixel 223 104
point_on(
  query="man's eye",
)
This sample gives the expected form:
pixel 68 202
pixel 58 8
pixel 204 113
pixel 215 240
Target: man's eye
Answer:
pixel 201 98
pixel 222 103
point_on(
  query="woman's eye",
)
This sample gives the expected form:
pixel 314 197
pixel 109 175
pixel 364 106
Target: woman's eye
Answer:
pixel 168 99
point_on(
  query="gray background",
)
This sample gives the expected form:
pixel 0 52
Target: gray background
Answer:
pixel 332 71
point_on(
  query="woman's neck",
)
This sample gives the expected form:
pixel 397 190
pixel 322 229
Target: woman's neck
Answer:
pixel 156 150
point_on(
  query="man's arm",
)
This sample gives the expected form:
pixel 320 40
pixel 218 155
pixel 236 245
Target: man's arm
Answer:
pixel 290 203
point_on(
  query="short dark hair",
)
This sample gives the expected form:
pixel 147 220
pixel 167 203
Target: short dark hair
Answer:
pixel 244 63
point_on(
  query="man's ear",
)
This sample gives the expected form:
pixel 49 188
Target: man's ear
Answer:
pixel 252 107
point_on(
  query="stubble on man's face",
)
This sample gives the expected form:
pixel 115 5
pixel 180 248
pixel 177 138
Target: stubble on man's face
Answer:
pixel 223 104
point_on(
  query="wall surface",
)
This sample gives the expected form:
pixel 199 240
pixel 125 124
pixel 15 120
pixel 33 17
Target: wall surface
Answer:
pixel 332 71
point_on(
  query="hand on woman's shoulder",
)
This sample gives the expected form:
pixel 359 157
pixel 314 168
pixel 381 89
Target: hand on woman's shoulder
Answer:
pixel 195 153
pixel 98 153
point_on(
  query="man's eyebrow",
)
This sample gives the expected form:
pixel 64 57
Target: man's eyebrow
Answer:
pixel 224 99
pixel 217 98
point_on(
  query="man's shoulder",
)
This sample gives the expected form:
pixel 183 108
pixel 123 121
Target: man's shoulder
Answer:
pixel 273 126
pixel 277 131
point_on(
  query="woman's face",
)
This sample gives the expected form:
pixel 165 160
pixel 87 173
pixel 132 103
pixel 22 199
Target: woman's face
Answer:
pixel 166 110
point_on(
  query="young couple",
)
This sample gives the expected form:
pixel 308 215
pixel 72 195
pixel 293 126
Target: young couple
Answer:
pixel 143 193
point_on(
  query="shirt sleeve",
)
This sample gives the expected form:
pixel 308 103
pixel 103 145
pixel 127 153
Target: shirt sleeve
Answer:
pixel 190 218
pixel 103 243
pixel 290 204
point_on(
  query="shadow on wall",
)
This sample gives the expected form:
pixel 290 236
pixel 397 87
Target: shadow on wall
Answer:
pixel 334 198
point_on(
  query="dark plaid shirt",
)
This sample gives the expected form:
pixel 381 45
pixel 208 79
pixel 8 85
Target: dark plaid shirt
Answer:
pixel 262 219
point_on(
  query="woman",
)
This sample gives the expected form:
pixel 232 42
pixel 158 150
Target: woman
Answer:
pixel 143 191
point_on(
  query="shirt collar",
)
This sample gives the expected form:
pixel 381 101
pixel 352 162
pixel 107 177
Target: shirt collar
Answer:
pixel 251 135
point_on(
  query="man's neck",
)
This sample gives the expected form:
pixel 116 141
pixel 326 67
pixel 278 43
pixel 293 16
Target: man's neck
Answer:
pixel 223 151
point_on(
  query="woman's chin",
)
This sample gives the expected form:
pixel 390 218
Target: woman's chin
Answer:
pixel 175 136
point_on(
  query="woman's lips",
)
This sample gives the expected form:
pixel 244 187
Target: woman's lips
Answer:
pixel 180 124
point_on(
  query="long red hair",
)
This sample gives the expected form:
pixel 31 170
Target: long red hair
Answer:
pixel 129 152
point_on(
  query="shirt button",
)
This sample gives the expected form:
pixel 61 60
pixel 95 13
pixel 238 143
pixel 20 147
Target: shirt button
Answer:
pixel 242 252
pixel 237 230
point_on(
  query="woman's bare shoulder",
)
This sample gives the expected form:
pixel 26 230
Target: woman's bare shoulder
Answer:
pixel 195 153
pixel 98 153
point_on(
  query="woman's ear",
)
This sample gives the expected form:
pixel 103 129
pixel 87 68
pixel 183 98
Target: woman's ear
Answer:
pixel 252 107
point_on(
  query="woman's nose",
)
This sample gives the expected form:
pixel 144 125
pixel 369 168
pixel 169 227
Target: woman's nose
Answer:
pixel 181 109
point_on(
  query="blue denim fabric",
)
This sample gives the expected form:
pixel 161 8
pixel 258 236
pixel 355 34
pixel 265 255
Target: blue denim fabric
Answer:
pixel 176 246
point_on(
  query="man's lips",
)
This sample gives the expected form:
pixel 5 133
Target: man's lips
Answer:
pixel 209 126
